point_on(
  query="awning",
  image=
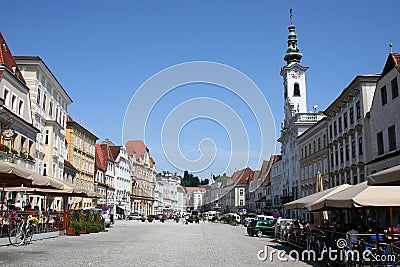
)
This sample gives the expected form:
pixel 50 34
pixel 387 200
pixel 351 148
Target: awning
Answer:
pixel 12 175
pixel 389 176
pixel 363 195
pixel 311 199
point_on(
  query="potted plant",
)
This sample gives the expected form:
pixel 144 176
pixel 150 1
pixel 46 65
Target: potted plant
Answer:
pixel 150 218
pixel 15 152
pixel 163 218
pixel 177 218
pixel 77 226
pixel 85 227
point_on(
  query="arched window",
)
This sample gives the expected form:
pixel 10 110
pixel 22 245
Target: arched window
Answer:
pixel 296 91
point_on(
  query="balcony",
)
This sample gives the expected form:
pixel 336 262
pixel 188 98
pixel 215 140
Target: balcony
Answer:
pixel 20 161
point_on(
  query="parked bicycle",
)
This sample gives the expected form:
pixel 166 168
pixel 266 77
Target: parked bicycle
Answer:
pixel 23 232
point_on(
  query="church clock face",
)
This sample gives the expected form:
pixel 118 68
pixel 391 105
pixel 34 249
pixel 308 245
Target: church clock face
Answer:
pixel 295 74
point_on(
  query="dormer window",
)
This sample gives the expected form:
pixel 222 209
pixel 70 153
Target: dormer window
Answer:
pixel 296 90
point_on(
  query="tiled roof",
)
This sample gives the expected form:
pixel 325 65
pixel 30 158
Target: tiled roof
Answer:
pixel 152 162
pixel 7 60
pixel 191 190
pixel 393 61
pixel 115 151
pixel 136 147
pixel 247 175
pixel 103 156
pixel 69 118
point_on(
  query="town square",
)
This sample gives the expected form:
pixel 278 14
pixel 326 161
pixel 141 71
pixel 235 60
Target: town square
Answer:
pixel 178 133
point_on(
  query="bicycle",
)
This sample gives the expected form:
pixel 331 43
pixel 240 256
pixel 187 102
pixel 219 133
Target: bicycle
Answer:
pixel 23 233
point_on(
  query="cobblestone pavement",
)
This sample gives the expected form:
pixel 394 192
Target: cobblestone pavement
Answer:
pixel 129 243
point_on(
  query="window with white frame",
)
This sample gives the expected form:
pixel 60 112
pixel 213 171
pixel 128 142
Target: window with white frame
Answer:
pixel 44 169
pixel 21 107
pixel 13 103
pixel 6 96
pixel 46 137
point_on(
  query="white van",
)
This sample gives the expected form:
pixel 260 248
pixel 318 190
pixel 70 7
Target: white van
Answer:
pixel 237 217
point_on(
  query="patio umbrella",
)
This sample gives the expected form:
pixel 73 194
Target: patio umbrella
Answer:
pixel 389 176
pixel 13 175
pixel 362 195
pixel 308 200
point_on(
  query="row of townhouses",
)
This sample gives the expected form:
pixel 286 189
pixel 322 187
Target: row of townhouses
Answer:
pixel 38 134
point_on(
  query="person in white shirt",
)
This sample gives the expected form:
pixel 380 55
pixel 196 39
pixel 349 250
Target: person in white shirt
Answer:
pixel 352 236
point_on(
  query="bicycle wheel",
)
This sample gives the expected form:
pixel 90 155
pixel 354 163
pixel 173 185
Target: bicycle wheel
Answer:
pixel 16 237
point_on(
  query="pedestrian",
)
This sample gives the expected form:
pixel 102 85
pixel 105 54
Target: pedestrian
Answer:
pixel 112 217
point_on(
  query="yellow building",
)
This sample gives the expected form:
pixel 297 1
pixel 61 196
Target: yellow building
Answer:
pixel 81 153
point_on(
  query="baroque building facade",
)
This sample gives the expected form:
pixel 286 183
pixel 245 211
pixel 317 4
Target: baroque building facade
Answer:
pixel 81 151
pixel 347 139
pixel 143 173
pixel 313 145
pixel 297 120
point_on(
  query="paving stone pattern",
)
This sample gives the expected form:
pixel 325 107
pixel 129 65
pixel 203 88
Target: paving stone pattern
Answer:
pixel 131 243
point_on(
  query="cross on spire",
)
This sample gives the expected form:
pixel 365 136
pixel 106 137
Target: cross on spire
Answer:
pixel 291 16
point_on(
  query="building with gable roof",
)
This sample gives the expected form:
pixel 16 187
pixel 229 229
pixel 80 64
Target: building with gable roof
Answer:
pixel 143 173
pixel 122 179
pixel 233 193
pixel 383 121
pixel 18 135
pixel 105 174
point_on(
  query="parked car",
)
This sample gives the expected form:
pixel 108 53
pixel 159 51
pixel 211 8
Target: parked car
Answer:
pixel 135 216
pixel 260 228
pixel 249 217
pixel 237 217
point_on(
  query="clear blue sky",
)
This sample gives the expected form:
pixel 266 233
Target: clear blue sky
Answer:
pixel 102 51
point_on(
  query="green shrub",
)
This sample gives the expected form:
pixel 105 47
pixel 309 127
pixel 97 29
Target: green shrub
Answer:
pixel 77 226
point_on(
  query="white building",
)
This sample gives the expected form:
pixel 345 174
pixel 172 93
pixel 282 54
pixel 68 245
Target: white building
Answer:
pixel 384 120
pixel 297 119
pixel 276 184
pixel 313 145
pixel 166 193
pixel 49 106
pixel 122 178
pixel 346 135
pixel 182 200
pixel 195 197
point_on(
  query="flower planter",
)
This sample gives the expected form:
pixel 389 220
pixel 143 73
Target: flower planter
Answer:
pixel 70 231
pixel 84 231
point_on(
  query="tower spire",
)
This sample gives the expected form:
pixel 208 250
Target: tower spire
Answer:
pixel 391 45
pixel 293 53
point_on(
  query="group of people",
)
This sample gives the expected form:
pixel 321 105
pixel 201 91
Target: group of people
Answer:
pixel 352 233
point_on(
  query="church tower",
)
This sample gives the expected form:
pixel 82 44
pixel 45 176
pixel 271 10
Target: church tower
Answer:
pixel 294 77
